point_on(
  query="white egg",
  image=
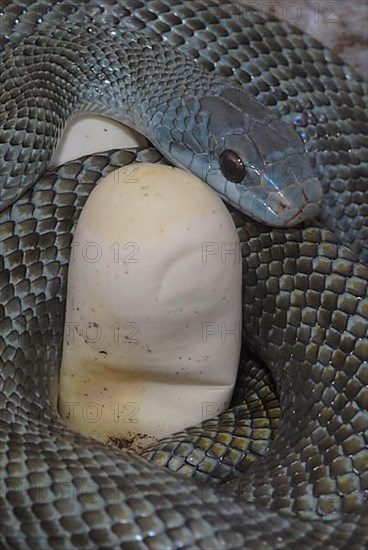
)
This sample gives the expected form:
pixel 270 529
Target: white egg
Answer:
pixel 153 320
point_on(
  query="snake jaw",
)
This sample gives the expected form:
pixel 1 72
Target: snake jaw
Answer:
pixel 298 197
pixel 291 192
pixel 276 216
pixel 276 212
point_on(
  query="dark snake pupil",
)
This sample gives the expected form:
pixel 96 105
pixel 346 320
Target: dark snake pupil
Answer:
pixel 231 166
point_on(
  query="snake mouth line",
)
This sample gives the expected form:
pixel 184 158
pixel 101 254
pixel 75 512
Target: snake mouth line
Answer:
pixel 310 211
pixel 275 219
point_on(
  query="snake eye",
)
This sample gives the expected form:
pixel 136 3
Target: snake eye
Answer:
pixel 232 166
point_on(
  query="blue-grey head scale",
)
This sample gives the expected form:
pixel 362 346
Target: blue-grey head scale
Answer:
pixel 256 162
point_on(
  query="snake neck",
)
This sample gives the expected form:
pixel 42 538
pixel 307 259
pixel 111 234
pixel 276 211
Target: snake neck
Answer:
pixel 120 74
pixel 190 115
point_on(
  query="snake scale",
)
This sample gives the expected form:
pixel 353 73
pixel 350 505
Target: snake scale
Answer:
pixel 304 306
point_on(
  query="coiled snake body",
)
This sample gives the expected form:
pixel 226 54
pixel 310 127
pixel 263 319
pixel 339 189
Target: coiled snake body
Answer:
pixel 304 296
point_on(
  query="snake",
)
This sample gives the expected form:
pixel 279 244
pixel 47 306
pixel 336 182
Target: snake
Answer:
pixel 272 120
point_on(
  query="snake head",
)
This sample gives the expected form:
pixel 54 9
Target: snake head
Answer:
pixel 256 162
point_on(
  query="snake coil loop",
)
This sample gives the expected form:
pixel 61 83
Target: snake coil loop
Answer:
pixel 289 483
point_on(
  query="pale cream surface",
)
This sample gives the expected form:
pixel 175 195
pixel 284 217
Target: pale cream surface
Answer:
pixel 153 322
pixel 86 134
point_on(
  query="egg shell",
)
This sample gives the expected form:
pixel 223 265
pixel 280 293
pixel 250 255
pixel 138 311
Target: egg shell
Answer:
pixel 153 319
